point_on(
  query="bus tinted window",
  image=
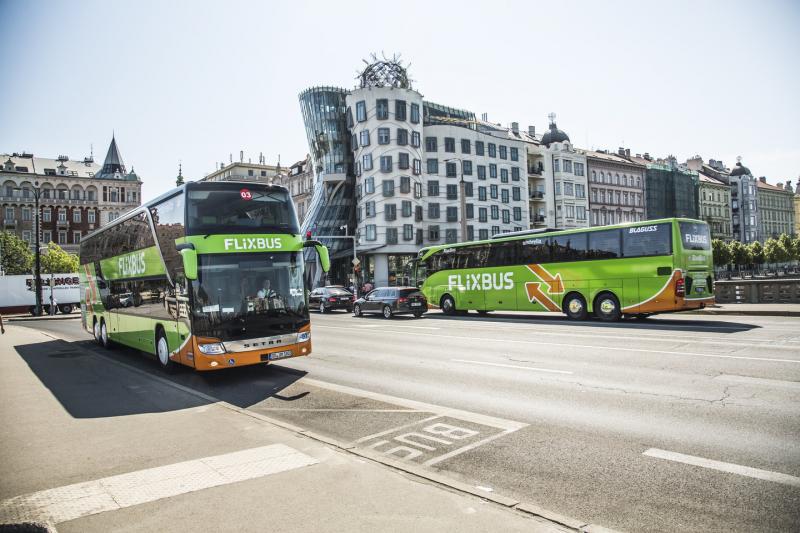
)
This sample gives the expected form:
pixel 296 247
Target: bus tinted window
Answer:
pixel 695 236
pixel 535 250
pixel 168 219
pixel 240 210
pixel 647 240
pixel 604 244
pixel 504 254
pixel 568 247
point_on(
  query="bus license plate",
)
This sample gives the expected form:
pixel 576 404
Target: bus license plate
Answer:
pixel 279 355
pixel 700 289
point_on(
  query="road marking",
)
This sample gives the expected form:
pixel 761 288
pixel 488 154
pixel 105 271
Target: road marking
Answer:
pixel 291 409
pixel 116 492
pixel 594 347
pixel 512 366
pixel 397 428
pixel 389 326
pixel 747 380
pixel 731 468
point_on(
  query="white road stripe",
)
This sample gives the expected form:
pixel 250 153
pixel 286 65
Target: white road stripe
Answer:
pixel 390 326
pixel 731 468
pixel 591 346
pixel 747 380
pixel 116 492
pixel 512 366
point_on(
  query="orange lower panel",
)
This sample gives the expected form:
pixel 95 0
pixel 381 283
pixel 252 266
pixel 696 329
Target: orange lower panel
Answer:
pixel 230 360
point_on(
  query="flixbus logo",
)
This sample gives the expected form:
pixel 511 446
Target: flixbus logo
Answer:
pixel 131 264
pixel 253 243
pixel 485 281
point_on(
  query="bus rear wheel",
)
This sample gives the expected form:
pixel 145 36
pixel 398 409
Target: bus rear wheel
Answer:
pixel 606 307
pixel 448 305
pixel 104 340
pixel 575 307
pixel 162 350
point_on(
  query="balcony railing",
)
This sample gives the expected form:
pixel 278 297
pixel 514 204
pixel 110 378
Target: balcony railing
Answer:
pixel 9 222
pixel 535 170
pixel 536 195
pixel 537 218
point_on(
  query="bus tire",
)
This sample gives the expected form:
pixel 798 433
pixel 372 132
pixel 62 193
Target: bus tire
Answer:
pixel 105 342
pixel 162 350
pixel 65 309
pixel 96 330
pixel 575 306
pixel 448 305
pixel 606 307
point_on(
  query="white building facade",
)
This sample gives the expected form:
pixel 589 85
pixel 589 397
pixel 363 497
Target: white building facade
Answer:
pixel 570 187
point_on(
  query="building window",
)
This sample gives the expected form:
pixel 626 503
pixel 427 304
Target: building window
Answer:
pixel 558 188
pixel 515 173
pixel 433 211
pixel 26 236
pixel 517 214
pixel 405 184
pixel 495 210
pixel 506 216
pixel 504 196
pixel 482 194
pixel 430 144
pixel 452 192
pixel 369 185
pixel 433 166
pixel 417 167
pixel 567 165
pixel 483 234
pixel 465 146
pixel 364 138
pixel 514 154
pixel 556 165
pixel 449 144
pixel 388 188
pixel 579 169
pixel 76 216
pixel 470 210
pixel 391 235
pixel 478 147
pixel 516 194
pixel 568 190
pixel 62 215
pixel 466 168
pixel 76 237
pixel 415 139
pixel 62 237
pixel 417 190
pixel 492 150
pixel 450 236
pixel 452 214
pixel 358 168
pixel 468 189
pixel 406 208
pixel 581 213
pixel 570 211
pixel 481 172
pixel 415 113
pixel 400 109
pixel 390 212
pixel 26 214
pixel 504 175
pixel 433 188
pixel 47 236
pixel 402 136
pixel 402 161
pixel 408 232
pixel 382 109
pixel 470 233
pixel 580 190
pixel 503 152
pixel 418 213
pixel 493 171
pixel 366 162
pixel 371 233
pixel 433 233
pixel 451 170
pixel 369 208
pixel 383 136
pixel 483 215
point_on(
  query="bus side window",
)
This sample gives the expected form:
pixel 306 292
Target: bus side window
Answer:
pixel 506 253
pixel 570 247
pixel 605 244
pixel 536 250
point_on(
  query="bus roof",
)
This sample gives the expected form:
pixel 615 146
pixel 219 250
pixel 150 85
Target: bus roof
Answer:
pixel 520 235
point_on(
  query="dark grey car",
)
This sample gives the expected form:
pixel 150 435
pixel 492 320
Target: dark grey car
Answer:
pixel 390 301
pixel 326 299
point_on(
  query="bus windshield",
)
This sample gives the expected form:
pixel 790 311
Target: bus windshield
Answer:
pixel 240 209
pixel 695 236
pixel 248 295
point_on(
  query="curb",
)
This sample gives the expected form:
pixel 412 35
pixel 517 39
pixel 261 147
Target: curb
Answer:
pixel 36 318
pixel 350 448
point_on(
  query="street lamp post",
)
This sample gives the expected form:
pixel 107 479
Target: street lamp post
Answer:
pixel 37 269
pixel 463 202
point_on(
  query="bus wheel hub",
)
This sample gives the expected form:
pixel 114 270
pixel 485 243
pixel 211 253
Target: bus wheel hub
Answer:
pixel 575 306
pixel 607 306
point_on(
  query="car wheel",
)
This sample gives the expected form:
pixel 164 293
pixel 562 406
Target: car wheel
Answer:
pixel 448 305
pixel 606 307
pixel 357 310
pixel 321 307
pixel 105 342
pixel 387 311
pixel 575 307
pixel 418 314
pixel 162 350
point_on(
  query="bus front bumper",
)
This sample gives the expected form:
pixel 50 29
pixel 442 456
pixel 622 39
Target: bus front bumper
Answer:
pixel 250 357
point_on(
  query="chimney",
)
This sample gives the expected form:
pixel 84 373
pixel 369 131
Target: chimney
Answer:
pixel 647 156
pixel 241 156
pixel 762 179
pixel 515 127
pixel 621 151
pixel 628 152
pixel 532 131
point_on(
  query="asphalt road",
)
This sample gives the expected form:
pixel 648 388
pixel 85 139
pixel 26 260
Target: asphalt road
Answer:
pixel 675 423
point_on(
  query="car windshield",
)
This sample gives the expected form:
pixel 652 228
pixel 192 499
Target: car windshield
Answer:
pixel 249 295
pixel 338 292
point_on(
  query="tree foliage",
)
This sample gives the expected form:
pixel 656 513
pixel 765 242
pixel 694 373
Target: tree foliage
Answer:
pixel 756 253
pixel 772 250
pixel 739 253
pixel 56 260
pixel 721 253
pixel 16 254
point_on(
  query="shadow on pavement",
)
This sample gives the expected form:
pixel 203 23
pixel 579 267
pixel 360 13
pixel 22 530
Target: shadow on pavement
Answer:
pixel 88 385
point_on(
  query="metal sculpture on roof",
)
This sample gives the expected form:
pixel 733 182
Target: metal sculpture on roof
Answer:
pixel 385 72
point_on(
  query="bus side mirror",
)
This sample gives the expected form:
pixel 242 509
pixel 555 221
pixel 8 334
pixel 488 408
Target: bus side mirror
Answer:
pixel 322 252
pixel 189 263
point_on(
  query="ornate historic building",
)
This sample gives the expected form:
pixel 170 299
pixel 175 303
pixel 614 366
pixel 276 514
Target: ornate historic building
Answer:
pixel 616 188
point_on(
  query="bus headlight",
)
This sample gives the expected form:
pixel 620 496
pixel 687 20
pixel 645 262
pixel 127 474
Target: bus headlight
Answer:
pixel 215 348
pixel 303 336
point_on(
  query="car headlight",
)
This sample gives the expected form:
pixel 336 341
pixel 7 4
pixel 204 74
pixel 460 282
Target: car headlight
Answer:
pixel 215 348
pixel 303 336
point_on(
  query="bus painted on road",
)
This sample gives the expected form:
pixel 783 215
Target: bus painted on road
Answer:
pixel 635 269
pixel 209 275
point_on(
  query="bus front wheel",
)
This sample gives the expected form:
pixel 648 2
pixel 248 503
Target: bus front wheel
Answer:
pixel 448 305
pixel 606 307
pixel 162 350
pixel 104 340
pixel 575 307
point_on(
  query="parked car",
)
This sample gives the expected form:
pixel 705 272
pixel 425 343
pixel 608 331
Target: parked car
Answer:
pixel 390 301
pixel 326 299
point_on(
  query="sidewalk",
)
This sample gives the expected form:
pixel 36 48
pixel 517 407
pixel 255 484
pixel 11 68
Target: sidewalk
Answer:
pixel 28 317
pixel 749 310
pixel 93 445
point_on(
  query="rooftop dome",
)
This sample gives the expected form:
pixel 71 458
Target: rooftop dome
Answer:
pixel 554 135
pixel 740 170
pixel 386 72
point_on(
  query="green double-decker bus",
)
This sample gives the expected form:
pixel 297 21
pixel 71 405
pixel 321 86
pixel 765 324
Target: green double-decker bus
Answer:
pixel 635 269
pixel 209 275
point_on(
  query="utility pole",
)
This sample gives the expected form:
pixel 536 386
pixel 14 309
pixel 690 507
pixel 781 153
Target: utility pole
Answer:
pixel 37 269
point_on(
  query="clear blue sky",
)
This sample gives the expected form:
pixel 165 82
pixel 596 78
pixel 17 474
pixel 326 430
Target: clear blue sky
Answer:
pixel 196 81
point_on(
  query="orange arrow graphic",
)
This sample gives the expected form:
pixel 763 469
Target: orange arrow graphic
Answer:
pixel 535 294
pixel 554 283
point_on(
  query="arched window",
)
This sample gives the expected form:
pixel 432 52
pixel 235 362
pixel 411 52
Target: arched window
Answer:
pixel 602 177
pixel 594 175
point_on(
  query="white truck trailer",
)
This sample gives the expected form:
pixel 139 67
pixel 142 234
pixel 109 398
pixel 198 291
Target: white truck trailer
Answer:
pixel 17 293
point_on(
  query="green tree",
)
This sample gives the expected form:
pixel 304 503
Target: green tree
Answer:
pixel 739 253
pixel 721 253
pixel 756 253
pixel 772 251
pixel 796 248
pixel 56 260
pixel 16 254
pixel 786 248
